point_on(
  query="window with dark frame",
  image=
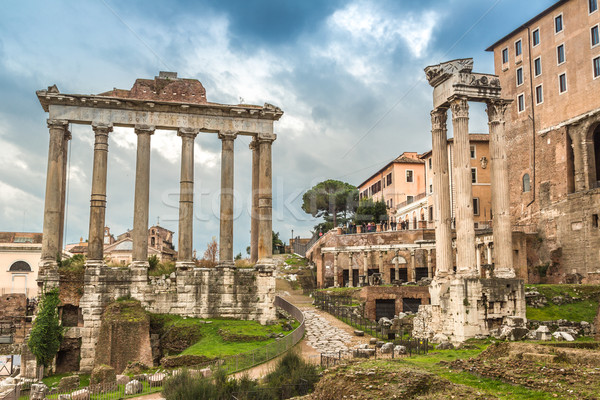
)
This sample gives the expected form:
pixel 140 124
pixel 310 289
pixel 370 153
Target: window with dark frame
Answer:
pixel 562 83
pixel 473 175
pixel 596 64
pixel 537 66
pixel 409 175
pixel 472 151
pixel 536 37
pixel 475 206
pixel 518 48
pixel 594 34
pixel 521 102
pixel 505 55
pixel 526 183
pixel 539 94
pixel 389 179
pixel 519 76
pixel 560 54
pixel 558 23
pixel 430 163
pixel 593 5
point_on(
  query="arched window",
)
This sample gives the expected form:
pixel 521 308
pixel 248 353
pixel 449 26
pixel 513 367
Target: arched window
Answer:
pixel 526 183
pixel 20 266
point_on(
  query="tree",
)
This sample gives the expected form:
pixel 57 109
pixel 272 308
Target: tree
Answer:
pixel 277 242
pixel 370 211
pixel 329 198
pixel 212 251
pixel 46 332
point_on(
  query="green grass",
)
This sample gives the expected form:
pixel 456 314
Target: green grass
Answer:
pixel 490 386
pixel 212 344
pixel 296 260
pixel 584 308
pixel 50 381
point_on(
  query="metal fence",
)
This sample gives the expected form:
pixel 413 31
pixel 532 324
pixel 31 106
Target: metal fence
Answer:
pixel 106 391
pixel 281 392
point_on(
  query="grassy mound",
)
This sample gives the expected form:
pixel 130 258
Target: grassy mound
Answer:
pixel 579 302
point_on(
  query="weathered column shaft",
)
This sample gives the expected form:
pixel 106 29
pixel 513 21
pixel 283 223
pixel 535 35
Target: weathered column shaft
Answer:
pixel 489 252
pixel 335 269
pixel 142 195
pixel 396 267
pixel 441 193
pixel 429 264
pixel 226 231
pixel 265 201
pixel 365 264
pixel 63 197
pixel 465 227
pixel 186 196
pixel 351 271
pixel 478 259
pixel 500 190
pixel 411 276
pixel 98 198
pixel 54 188
pixel 254 217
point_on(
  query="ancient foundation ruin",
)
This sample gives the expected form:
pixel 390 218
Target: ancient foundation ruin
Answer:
pixel 169 103
pixel 465 303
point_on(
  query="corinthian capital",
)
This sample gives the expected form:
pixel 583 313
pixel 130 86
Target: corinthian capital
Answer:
pixel 57 123
pixel 101 128
pixel 188 132
pixel 228 135
pixel 144 129
pixel 438 119
pixel 459 107
pixel 496 109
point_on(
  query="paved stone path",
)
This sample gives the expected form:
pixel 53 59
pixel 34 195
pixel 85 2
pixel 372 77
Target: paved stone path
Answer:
pixel 324 337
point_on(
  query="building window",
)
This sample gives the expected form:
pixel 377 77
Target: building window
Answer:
pixel 562 83
pixel 594 34
pixel 560 54
pixel 539 95
pixel 596 63
pixel 391 203
pixel 558 23
pixel 521 102
pixel 505 55
pixel 475 206
pixel 472 150
pixel 409 199
pixel 536 37
pixel 593 5
pixel 20 266
pixel 430 188
pixel 389 179
pixel 409 175
pixel 518 48
pixel 526 183
pixel 537 66
pixel 431 213
pixel 473 175
pixel 430 163
pixel 519 76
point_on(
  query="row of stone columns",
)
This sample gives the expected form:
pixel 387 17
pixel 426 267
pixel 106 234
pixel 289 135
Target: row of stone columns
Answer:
pixel 410 273
pixel 465 229
pixel 56 184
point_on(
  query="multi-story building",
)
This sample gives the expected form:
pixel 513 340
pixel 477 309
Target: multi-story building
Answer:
pixel 550 68
pixel 20 254
pixel 398 181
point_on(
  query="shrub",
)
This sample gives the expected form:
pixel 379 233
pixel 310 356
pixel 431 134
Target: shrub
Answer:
pixel 47 332
pixel 293 370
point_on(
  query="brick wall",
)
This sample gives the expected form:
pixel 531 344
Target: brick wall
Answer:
pixel 370 294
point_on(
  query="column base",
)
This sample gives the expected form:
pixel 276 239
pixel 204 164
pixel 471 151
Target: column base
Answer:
pixel 226 264
pixel 94 263
pixel 139 265
pixel 504 274
pixel 185 265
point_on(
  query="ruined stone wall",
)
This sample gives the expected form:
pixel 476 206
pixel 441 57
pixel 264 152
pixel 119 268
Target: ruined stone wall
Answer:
pixel 199 292
pixel 13 311
pixel 370 294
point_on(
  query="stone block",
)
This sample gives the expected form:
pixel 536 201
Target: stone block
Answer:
pixel 103 374
pixel 536 357
pixel 68 383
pixel 82 394
pixel 133 387
pixel 387 348
pixel 359 333
pixel 123 379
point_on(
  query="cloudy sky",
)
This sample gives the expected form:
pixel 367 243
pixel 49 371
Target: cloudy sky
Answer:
pixel 348 75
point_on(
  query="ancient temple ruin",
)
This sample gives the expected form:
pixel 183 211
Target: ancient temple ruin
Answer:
pixel 465 302
pixel 180 105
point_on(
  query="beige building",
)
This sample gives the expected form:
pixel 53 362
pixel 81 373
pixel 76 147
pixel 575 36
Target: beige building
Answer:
pixel 20 254
pixel 550 68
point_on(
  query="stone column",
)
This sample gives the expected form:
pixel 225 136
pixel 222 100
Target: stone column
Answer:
pixel 254 146
pixel 478 259
pixel 142 196
pixel 429 264
pixel 186 199
pixel 500 190
pixel 226 232
pixel 351 271
pixel 489 253
pixel 53 199
pixel 265 201
pixel 465 227
pixel 396 267
pixel 335 269
pixel 381 271
pixel 95 251
pixel 441 193
pixel 365 264
pixel 63 199
pixel 412 271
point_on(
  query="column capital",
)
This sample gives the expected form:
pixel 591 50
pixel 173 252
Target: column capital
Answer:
pixel 253 143
pixel 144 129
pixel 265 137
pixel 496 109
pixel 438 118
pixel 57 123
pixel 228 135
pixel 102 128
pixel 460 107
pixel 68 135
pixel 188 132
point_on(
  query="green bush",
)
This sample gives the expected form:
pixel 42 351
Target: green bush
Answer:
pixel 292 370
pixel 47 332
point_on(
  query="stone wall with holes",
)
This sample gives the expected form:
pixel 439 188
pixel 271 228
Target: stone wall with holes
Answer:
pixel 13 322
pixel 370 294
pixel 199 292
